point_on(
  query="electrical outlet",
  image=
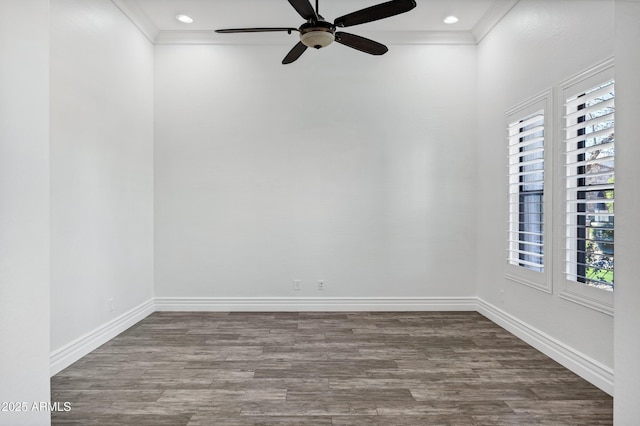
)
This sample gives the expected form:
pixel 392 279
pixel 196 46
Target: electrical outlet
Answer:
pixel 296 284
pixel 320 285
pixel 110 305
pixel 501 297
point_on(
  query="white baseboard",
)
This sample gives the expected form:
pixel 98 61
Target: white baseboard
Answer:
pixel 589 369
pixel 63 357
pixel 301 304
pixel 584 366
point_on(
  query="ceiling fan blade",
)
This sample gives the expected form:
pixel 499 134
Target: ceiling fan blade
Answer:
pixel 374 13
pixel 360 43
pixel 295 53
pixel 255 30
pixel 304 8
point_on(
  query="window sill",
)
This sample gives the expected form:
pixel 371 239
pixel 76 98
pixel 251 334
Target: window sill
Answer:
pixel 598 300
pixel 520 278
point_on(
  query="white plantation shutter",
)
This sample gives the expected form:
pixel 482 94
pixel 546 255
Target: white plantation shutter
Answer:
pixel 526 192
pixel 589 182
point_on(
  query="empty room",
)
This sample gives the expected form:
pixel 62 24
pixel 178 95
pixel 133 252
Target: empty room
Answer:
pixel 353 212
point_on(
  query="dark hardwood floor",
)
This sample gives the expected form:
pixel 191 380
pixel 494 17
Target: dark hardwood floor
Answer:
pixel 378 368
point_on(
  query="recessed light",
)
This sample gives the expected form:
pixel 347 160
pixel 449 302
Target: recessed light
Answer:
pixel 450 19
pixel 184 19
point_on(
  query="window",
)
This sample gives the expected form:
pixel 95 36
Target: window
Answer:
pixel 590 179
pixel 527 219
pixel 589 188
pixel 526 192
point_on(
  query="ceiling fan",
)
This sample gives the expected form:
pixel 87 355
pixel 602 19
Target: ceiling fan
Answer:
pixel 318 33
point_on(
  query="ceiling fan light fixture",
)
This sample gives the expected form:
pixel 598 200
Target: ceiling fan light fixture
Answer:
pixel 317 38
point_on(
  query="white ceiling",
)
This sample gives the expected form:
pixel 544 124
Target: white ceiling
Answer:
pixel 156 18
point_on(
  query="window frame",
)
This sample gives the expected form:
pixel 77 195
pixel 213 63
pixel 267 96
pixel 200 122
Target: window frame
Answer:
pixel 539 280
pixel 574 291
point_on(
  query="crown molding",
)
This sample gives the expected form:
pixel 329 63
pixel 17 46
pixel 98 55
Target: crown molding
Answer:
pixel 211 37
pixel 423 37
pixel 138 18
pixel 385 37
pixel 490 19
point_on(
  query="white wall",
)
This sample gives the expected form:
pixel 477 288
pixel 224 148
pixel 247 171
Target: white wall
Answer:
pixel 627 294
pixel 345 167
pixel 24 208
pixel 101 167
pixel 539 44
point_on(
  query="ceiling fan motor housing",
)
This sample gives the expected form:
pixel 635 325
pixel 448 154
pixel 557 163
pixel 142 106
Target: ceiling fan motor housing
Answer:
pixel 317 34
